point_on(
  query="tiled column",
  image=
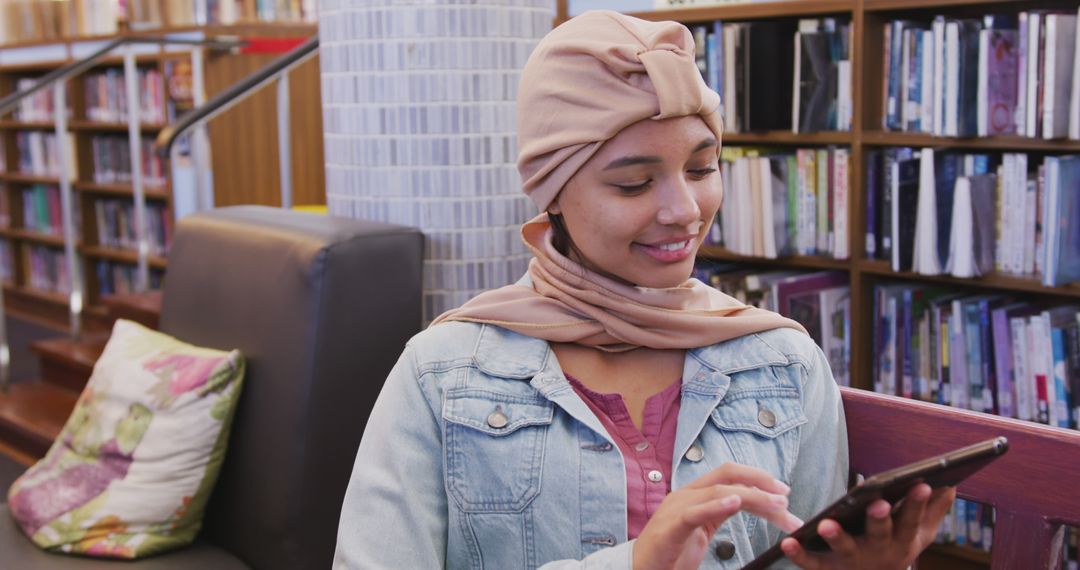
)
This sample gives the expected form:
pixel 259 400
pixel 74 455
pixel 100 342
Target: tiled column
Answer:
pixel 419 121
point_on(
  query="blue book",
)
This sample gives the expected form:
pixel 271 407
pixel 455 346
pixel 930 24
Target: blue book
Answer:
pixel 714 55
pixel 913 114
pixel 946 170
pixel 1061 391
pixel 1063 247
pixel 893 100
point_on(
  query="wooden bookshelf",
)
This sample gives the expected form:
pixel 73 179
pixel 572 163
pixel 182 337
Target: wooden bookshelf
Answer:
pixel 789 138
pixel 98 126
pixel 867 18
pixel 121 190
pixel 243 141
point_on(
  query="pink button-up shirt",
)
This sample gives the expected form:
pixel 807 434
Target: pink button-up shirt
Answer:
pixel 647 452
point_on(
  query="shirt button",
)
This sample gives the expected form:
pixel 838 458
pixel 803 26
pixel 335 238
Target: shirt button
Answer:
pixel 766 418
pixel 695 453
pixel 725 550
pixel 655 476
pixel 642 446
pixel 497 420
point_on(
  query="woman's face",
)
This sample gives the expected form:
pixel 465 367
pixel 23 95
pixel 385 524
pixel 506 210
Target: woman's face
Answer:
pixel 639 209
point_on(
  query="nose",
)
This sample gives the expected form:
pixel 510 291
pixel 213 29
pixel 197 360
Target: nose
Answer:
pixel 678 205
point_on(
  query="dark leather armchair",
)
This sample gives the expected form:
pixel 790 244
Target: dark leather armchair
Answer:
pixel 321 307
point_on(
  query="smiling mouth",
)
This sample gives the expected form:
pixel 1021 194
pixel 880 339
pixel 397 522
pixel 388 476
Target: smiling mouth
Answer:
pixel 673 246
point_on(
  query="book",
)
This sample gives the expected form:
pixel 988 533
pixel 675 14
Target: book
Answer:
pixel 1059 48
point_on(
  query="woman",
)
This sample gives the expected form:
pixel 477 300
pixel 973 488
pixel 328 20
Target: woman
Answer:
pixel 607 411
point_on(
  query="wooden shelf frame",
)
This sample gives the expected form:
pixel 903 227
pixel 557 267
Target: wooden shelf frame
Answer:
pixel 867 19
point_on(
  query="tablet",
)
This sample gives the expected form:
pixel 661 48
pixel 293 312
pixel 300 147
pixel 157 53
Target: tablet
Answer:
pixel 945 470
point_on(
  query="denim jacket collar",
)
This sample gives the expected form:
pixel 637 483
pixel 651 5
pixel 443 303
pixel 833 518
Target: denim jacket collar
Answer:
pixel 504 353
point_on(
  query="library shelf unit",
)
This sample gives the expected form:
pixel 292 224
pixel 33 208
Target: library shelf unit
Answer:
pixel 245 135
pixel 868 19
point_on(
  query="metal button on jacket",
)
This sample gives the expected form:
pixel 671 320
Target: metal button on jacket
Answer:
pixel 695 453
pixel 656 476
pixel 766 418
pixel 497 420
pixel 642 446
pixel 725 550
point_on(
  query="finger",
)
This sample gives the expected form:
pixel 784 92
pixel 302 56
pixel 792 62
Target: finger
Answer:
pixel 797 554
pixel 768 506
pixel 940 502
pixel 713 512
pixel 911 513
pixel 936 509
pixel 839 541
pixel 736 474
pixel 879 525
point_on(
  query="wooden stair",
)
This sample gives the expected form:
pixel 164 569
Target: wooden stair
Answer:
pixel 33 413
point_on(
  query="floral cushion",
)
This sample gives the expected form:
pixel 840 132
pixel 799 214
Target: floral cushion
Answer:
pixel 131 472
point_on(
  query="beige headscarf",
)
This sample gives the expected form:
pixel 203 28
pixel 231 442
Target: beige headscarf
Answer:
pixel 587 80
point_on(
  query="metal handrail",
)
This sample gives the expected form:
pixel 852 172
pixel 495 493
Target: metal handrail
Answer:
pixel 237 92
pixel 57 79
pixel 78 67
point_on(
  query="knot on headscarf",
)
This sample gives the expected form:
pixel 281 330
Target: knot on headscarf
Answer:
pixel 593 76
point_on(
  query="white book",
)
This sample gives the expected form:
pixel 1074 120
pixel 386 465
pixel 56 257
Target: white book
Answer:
pixel 1021 375
pixel 843 99
pixel 728 209
pixel 1060 49
pixel 731 35
pixel 925 255
pixel 824 238
pixel 926 119
pixel 765 196
pixel 1032 120
pixel 840 203
pixel 952 78
pixel 939 76
pixel 1017 222
pixel 1004 244
pixel 1050 215
pixel 746 207
pixel 1030 192
pixel 796 81
pixel 961 239
pixel 982 120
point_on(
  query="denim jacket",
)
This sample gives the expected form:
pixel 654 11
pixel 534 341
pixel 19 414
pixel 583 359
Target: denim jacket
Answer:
pixel 479 454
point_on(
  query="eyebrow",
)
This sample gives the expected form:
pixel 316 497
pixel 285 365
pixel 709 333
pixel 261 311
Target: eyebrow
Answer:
pixel 638 159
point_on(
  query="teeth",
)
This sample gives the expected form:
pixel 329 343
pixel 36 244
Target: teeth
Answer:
pixel 674 246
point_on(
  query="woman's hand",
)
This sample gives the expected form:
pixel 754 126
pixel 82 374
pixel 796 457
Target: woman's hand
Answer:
pixel 888 543
pixel 678 534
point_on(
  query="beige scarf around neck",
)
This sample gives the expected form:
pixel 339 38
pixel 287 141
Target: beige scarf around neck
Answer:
pixel 569 303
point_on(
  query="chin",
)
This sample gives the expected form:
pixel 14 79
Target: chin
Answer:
pixel 667 278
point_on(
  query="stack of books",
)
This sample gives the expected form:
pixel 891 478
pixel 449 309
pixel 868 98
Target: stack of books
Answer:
pixel 761 67
pixel 941 212
pixel 1002 74
pixel 780 202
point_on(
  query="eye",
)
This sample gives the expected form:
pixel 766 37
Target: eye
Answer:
pixel 633 188
pixel 701 173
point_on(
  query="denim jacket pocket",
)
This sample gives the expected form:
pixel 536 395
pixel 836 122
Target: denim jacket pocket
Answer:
pixel 494 449
pixel 760 425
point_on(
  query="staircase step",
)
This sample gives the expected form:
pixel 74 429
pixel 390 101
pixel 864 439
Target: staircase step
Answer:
pixel 143 308
pixel 32 415
pixel 68 363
